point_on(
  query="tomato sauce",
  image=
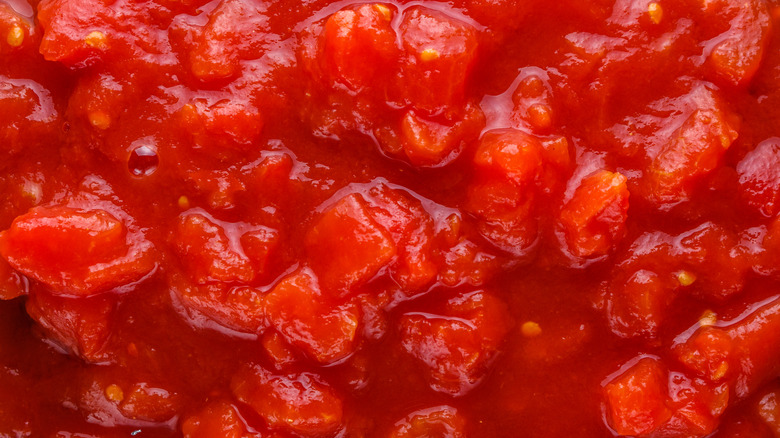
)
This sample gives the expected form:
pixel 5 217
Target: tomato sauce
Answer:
pixel 475 218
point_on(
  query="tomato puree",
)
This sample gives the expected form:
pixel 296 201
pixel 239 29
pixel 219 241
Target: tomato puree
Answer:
pixel 401 219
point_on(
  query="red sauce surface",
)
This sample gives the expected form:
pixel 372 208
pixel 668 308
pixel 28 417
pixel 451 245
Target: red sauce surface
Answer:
pixel 475 218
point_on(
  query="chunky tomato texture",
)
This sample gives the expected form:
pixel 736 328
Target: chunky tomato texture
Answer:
pixel 76 252
pixel 222 43
pixel 504 194
pixel 29 115
pixel 738 52
pixel 217 419
pixel 647 400
pixel 708 262
pixel 221 262
pixel 340 257
pixel 456 348
pixel 439 52
pixel 759 177
pixel 298 309
pixel 439 422
pixel 297 403
pixel 302 197
pixel 637 399
pixel 408 80
pixel 358 46
pixel 694 150
pixel 80 325
pixel 594 219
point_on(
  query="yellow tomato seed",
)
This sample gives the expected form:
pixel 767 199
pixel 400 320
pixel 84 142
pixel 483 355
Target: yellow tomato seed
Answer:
pixel 429 54
pixel 115 393
pixel 97 40
pixel 15 36
pixel 686 278
pixel 531 329
pixel 656 12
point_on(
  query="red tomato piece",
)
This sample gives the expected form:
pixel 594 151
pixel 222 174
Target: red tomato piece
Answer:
pixel 439 52
pixel 695 150
pixel 740 50
pixel 707 352
pixel 503 196
pixel 346 247
pixel 218 127
pixel 759 177
pixel 637 398
pixel 594 218
pixel 12 285
pixel 147 403
pixel 28 118
pixel 298 403
pixel 457 348
pixel 358 46
pixel 262 247
pixel 75 251
pixel 232 33
pixel 741 352
pixel 218 419
pixel 429 143
pixel 207 252
pixel 437 422
pixel 82 326
pixel 239 308
pixel 298 310
pixel 411 228
pixel 637 309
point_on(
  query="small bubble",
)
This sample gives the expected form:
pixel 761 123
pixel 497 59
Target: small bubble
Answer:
pixel 143 161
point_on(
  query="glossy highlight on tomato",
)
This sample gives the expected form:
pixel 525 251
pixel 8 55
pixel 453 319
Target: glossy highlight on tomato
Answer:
pixel 400 219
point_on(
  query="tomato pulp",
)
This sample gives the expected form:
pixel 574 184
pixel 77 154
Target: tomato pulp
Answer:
pixel 475 218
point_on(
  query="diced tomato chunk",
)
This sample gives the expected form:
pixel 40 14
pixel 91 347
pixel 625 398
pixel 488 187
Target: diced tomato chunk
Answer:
pixel 218 419
pixel 707 352
pixel 75 251
pixel 261 246
pixel 740 50
pixel 512 153
pixel 411 228
pixel 439 53
pixel 696 150
pixel 140 401
pixel 12 285
pixel 220 126
pixel 637 399
pixel 237 307
pixel 298 403
pixel 209 255
pixel 232 33
pixel 298 310
pixel 429 143
pixel 81 325
pixel 759 177
pixel 594 218
pixel 437 422
pixel 28 117
pixel 358 47
pixel 637 308
pixel 346 247
pixel 118 399
pixel 458 347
